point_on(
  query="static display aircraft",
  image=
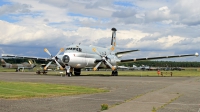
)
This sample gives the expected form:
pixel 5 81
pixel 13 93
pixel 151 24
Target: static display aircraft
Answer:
pixel 44 70
pixel 134 67
pixel 18 67
pixel 80 56
pixel 123 67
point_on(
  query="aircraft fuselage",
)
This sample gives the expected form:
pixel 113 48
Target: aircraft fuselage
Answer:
pixel 79 56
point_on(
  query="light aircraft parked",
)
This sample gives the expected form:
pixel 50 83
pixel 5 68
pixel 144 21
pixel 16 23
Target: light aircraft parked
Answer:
pixel 18 67
pixel 80 56
pixel 123 67
pixel 134 68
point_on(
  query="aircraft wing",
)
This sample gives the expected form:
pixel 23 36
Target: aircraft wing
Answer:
pixel 124 52
pixel 161 57
pixel 25 57
pixel 120 54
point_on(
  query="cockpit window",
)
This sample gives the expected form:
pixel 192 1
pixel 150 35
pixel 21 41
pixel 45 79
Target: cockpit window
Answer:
pixel 74 49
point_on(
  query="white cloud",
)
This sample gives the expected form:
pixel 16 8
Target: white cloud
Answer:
pixel 149 25
pixel 14 9
pixel 161 14
pixel 169 40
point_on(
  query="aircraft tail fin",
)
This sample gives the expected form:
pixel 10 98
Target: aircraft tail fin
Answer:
pixel 3 62
pixel 32 62
pixel 113 40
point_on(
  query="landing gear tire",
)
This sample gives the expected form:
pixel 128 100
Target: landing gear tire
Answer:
pixel 77 71
pixel 69 74
pixel 114 73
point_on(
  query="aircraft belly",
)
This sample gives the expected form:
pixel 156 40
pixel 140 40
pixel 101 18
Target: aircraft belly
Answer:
pixel 77 62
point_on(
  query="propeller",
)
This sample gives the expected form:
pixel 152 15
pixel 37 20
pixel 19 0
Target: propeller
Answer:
pixel 54 58
pixel 103 59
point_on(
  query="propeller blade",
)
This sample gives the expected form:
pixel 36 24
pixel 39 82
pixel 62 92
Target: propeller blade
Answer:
pixel 45 68
pixel 59 65
pixel 112 67
pixel 46 50
pixel 95 50
pixel 95 68
pixel 61 50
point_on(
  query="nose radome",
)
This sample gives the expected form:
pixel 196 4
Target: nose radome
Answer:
pixel 65 59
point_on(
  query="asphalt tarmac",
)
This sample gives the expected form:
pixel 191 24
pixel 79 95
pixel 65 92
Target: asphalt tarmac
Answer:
pixel 127 94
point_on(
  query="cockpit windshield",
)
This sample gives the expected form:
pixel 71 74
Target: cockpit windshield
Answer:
pixel 74 49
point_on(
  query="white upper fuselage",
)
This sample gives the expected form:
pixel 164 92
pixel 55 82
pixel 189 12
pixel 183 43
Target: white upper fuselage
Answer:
pixel 81 56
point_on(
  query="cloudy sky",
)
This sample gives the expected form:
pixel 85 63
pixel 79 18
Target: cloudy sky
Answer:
pixel 156 27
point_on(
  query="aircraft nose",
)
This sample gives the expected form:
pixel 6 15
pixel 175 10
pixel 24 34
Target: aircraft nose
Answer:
pixel 65 59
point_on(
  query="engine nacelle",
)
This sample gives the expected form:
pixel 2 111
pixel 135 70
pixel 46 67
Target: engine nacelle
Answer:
pixel 119 55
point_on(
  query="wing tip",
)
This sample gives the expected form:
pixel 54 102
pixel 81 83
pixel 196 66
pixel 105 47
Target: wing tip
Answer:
pixel 196 54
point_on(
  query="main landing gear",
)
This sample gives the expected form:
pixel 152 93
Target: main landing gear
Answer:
pixel 77 71
pixel 114 73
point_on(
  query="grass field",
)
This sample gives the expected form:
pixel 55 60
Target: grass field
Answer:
pixel 186 72
pixel 18 90
pixel 144 73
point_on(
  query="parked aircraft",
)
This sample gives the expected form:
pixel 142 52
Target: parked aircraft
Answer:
pixel 80 56
pixel 134 67
pixel 123 67
pixel 18 67
pixel 44 70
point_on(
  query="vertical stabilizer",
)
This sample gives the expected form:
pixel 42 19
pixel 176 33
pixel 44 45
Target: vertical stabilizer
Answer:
pixel 3 62
pixel 30 61
pixel 113 41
